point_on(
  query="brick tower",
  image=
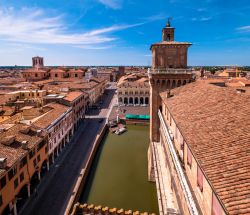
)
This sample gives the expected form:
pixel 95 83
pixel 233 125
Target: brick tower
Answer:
pixel 37 62
pixel 169 70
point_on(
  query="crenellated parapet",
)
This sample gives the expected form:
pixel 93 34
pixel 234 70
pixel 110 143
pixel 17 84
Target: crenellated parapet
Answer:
pixel 79 209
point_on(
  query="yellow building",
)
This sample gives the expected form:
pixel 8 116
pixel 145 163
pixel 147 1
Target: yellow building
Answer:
pixel 23 153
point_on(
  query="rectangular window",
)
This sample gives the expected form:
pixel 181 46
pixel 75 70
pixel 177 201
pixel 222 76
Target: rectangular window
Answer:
pixel 199 178
pixel 182 144
pixel 15 183
pixel 12 173
pixel 34 162
pixel 21 177
pixel 1 200
pixel 31 154
pixel 216 207
pixel 189 157
pixel 2 182
pixel 23 162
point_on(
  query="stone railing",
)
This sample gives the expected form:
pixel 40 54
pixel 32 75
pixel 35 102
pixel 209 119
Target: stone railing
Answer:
pixel 99 210
pixel 183 181
pixel 169 71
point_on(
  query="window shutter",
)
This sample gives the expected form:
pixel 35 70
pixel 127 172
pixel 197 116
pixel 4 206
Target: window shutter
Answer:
pixel 199 178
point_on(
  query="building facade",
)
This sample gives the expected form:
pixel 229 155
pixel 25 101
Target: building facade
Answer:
pixel 23 154
pixel 76 100
pixel 58 124
pixel 133 90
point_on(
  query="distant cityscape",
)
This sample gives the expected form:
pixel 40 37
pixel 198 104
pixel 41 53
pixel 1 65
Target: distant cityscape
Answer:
pixel 108 140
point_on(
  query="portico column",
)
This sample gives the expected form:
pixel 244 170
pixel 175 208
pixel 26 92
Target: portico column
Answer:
pixel 28 189
pixel 47 165
pixel 39 175
pixel 53 158
pixel 14 207
pixel 68 138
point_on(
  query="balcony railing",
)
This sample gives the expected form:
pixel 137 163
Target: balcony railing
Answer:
pixel 183 181
pixel 169 71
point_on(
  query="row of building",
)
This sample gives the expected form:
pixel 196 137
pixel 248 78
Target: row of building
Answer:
pixel 38 118
pixel 39 72
pixel 30 140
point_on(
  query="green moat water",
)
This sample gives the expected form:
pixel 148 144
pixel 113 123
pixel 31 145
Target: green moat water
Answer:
pixel 118 177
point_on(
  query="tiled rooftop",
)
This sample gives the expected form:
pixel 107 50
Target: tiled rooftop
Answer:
pixel 73 95
pixel 32 70
pixel 215 122
pixel 14 151
pixel 49 117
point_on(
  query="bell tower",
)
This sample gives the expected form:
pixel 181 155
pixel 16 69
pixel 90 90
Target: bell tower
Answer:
pixel 168 32
pixel 169 70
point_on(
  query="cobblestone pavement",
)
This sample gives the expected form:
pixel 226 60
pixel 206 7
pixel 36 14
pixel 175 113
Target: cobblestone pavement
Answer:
pixel 56 186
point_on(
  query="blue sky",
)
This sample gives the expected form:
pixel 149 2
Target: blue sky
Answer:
pixel 119 32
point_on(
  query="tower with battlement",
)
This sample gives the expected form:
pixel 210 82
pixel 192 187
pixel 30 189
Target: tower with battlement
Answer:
pixel 169 70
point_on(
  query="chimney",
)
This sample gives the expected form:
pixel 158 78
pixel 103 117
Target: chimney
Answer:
pixel 39 132
pixel 3 163
pixel 24 145
pixel 168 93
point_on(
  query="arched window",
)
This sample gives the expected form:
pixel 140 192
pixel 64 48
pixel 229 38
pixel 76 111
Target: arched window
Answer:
pixel 173 84
pixel 168 83
pixel 146 100
pixel 179 83
pixel 141 101
pixel 125 100
pixel 168 37
pixel 136 100
pixel 131 100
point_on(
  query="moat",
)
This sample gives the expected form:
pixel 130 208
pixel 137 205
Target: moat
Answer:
pixel 118 177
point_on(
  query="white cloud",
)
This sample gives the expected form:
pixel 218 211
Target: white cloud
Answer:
pixel 201 9
pixel 156 17
pixel 114 4
pixel 93 47
pixel 203 19
pixel 33 26
pixel 244 28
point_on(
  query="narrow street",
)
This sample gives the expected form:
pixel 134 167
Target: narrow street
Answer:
pixel 56 186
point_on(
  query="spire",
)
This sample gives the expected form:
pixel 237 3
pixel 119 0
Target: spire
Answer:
pixel 168 23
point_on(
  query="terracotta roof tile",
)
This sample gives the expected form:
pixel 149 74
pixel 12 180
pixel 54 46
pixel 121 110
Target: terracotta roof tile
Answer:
pixel 215 122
